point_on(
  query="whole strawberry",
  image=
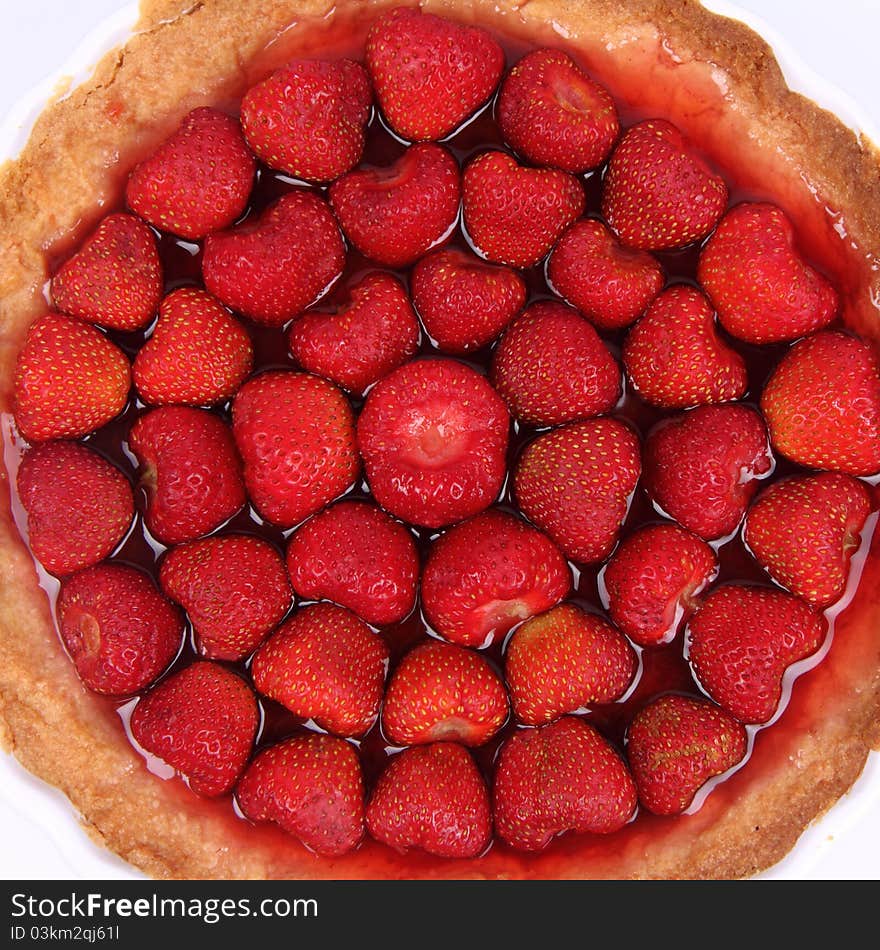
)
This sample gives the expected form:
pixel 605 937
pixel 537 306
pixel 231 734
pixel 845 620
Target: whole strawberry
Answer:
pixel 551 367
pixel 575 483
pixel 822 404
pixel 272 267
pixel 189 470
pixel 464 302
pixel 657 192
pixel 485 575
pixel 441 692
pixel 198 180
pixel 803 532
pixel 355 555
pixel 324 664
pixel 514 214
pixel 198 354
pixel 234 589
pixel 433 798
pixel 430 74
pixel 120 632
pixel 675 358
pixel 743 639
pixel 433 436
pixel 652 579
pixel 611 284
pixel 309 118
pixel 702 467
pixel 559 778
pixel 763 290
pixel 551 112
pixel 563 660
pixel 69 380
pixel 675 744
pixel 296 437
pixel 79 506
pixel 395 214
pixel 312 787
pixel 358 343
pixel 115 278
pixel 202 721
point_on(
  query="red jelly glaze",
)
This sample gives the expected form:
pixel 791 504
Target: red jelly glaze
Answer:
pixel 661 669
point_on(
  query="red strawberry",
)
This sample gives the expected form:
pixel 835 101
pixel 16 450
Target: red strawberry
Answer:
pixel 803 532
pixel 514 214
pixel 702 467
pixel 296 436
pixel 675 358
pixel 199 353
pixel 309 117
pixel 575 483
pixel 763 290
pixel 234 589
pixel 551 112
pixel 464 302
pixel 115 278
pixel 563 660
pixel 359 557
pixel 610 284
pixel 487 574
pixel 312 787
pixel 79 506
pixel 198 180
pixel 743 639
pixel 551 367
pixel 271 268
pixel 562 777
pixel 324 664
pixel 357 344
pixel 396 213
pixel 652 579
pixel 657 192
pixel 433 436
pixel 675 745
pixel 441 692
pixel 433 798
pixel 202 722
pixel 430 74
pixel 69 380
pixel 120 632
pixel 822 404
pixel 190 471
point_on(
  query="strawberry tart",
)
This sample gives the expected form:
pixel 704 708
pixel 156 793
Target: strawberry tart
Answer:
pixel 441 441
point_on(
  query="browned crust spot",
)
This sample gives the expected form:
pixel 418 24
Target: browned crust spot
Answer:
pixel 189 53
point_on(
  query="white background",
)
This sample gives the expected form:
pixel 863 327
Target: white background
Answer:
pixel 39 834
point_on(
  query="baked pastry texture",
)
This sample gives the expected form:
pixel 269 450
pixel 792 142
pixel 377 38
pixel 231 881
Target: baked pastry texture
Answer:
pixel 715 79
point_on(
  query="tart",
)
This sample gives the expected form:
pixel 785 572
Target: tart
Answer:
pixel 659 762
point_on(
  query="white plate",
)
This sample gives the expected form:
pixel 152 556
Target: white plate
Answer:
pixel 832 59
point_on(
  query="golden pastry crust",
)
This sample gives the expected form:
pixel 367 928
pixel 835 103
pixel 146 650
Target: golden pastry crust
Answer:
pixel 186 54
